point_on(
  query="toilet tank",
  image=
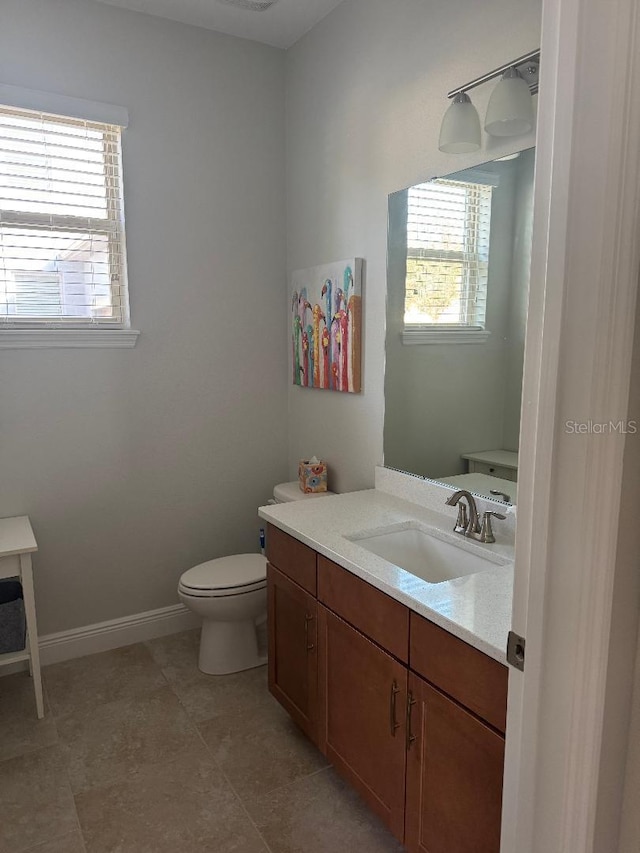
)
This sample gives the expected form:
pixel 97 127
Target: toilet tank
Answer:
pixel 287 492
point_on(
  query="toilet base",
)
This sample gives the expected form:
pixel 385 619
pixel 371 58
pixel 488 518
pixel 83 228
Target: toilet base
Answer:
pixel 227 647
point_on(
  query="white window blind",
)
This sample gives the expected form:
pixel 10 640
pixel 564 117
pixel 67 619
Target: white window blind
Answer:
pixel 61 223
pixel 448 230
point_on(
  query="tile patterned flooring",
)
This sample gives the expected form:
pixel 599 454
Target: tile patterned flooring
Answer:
pixel 140 752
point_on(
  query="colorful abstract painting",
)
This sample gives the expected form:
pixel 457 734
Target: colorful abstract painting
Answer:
pixel 326 327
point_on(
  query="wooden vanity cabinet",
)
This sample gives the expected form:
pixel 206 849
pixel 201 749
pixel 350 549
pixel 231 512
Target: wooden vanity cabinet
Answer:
pixel 363 692
pixel 410 715
pixel 293 656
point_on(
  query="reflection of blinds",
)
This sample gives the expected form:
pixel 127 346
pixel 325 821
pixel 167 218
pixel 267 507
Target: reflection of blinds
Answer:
pixel 61 223
pixel 448 229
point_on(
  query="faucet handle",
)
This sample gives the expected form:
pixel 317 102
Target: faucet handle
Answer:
pixel 466 523
pixel 462 522
pixel 486 531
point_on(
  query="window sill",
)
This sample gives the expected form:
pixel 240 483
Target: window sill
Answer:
pixel 68 338
pixel 412 337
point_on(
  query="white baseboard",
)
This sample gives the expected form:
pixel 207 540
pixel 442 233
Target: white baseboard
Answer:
pixel 113 634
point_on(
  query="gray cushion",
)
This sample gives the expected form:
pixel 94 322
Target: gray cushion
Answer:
pixel 12 620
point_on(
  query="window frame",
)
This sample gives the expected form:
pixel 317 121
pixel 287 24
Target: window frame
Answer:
pixel 68 333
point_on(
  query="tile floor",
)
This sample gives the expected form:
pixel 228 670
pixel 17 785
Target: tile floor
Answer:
pixel 141 753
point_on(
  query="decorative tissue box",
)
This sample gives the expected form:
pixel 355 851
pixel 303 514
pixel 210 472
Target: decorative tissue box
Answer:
pixel 312 475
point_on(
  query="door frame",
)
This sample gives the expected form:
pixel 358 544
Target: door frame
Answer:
pixel 578 353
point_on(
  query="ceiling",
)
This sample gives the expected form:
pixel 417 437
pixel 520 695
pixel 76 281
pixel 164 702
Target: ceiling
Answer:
pixel 281 25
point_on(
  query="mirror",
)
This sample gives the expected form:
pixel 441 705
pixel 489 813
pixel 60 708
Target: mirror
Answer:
pixel 459 253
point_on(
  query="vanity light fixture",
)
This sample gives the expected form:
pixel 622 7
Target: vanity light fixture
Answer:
pixel 460 130
pixel 510 109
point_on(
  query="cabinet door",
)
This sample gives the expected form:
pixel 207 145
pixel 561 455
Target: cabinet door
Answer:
pixel 293 655
pixel 362 698
pixel 454 777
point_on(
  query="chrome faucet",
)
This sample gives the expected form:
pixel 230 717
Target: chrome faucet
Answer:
pixel 468 524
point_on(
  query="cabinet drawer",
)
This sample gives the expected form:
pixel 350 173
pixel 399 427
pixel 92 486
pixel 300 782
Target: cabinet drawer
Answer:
pixel 493 470
pixel 472 678
pixel 292 558
pixel 375 614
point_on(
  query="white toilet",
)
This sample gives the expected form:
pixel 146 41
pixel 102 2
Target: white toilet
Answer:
pixel 230 594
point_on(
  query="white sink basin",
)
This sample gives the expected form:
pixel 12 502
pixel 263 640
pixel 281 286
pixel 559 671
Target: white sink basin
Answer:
pixel 427 554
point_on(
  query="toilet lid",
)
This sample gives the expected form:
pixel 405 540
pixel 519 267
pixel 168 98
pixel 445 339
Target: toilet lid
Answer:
pixel 287 492
pixel 239 570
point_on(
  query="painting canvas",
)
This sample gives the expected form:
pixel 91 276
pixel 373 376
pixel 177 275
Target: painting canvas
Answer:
pixel 326 326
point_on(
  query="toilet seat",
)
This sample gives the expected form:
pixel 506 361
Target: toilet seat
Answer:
pixel 226 576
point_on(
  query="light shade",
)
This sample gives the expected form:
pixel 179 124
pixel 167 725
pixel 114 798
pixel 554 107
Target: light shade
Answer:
pixel 460 130
pixel 510 110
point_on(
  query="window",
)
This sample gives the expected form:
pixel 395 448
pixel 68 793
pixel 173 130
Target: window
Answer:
pixel 62 258
pixel 448 228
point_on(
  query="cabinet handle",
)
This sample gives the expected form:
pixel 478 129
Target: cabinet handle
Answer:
pixel 393 725
pixel 410 703
pixel 308 618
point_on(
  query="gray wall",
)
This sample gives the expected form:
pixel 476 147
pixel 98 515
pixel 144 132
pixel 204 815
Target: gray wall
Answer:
pixel 136 464
pixel 366 90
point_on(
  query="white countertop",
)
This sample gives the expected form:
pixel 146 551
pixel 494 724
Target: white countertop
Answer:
pixel 475 608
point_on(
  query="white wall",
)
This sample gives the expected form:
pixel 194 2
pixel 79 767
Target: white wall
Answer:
pixel 136 464
pixel 630 825
pixel 621 731
pixel 366 90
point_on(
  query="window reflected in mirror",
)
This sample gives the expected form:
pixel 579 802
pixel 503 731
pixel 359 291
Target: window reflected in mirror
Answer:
pixel 459 254
pixel 448 237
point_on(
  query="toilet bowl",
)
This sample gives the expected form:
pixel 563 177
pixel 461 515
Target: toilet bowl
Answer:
pixel 230 595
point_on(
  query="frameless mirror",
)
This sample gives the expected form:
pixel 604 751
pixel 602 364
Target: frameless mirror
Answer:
pixel 459 252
